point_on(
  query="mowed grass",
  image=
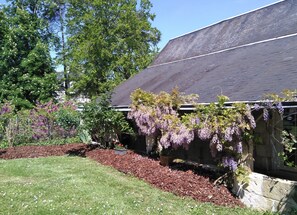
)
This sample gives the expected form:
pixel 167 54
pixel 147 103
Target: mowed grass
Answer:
pixel 74 185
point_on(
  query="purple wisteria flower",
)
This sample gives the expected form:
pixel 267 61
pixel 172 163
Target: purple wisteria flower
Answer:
pixel 280 108
pixel 5 109
pixel 195 121
pixel 165 140
pixel 177 136
pixel 230 163
pixel 268 104
pixel 219 147
pixel 251 119
pixel 265 115
pixel 235 129
pixel 228 134
pixel 238 147
pixel 204 133
pixel 257 107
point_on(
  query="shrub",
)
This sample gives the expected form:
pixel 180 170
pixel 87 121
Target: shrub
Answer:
pixel 67 120
pixel 6 112
pixel 103 123
pixel 20 125
pixel 47 122
pixel 50 120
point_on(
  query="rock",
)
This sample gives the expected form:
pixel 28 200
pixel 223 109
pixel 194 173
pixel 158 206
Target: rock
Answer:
pixel 267 193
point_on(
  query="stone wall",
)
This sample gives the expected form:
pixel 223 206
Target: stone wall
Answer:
pixel 268 194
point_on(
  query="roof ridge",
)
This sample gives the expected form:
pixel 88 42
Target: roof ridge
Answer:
pixel 227 19
pixel 224 50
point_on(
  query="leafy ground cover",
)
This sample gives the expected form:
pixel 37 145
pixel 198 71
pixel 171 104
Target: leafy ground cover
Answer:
pixel 75 185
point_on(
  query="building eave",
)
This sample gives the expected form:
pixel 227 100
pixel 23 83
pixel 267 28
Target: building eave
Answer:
pixel 191 107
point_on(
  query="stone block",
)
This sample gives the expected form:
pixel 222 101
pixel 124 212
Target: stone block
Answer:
pixel 266 193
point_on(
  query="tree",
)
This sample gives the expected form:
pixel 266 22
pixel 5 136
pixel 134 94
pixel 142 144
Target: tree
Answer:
pixel 3 26
pixel 26 72
pixel 55 15
pixel 109 41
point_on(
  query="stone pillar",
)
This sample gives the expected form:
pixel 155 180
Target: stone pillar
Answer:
pixel 247 151
pixel 150 142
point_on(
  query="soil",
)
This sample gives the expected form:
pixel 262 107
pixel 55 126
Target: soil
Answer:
pixel 180 179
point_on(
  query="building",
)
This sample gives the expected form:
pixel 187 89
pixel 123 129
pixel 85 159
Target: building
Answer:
pixel 243 57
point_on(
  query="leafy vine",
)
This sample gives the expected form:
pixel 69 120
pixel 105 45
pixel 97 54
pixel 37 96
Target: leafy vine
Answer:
pixel 226 128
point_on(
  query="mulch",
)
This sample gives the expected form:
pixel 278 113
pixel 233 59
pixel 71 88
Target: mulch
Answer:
pixel 180 179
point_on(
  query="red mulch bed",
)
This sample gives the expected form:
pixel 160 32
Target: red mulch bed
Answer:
pixel 178 179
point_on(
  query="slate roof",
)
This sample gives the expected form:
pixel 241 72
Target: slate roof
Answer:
pixel 243 58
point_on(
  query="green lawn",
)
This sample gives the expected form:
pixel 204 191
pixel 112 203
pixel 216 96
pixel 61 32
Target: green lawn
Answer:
pixel 73 185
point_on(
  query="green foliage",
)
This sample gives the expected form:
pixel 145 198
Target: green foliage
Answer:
pixel 108 42
pixel 26 72
pixel 55 141
pixel 49 142
pixel 141 97
pixel 225 128
pixel 46 123
pixel 242 174
pixel 85 137
pixel 288 140
pixel 68 119
pixel 6 112
pixel 19 129
pixel 289 143
pixel 174 99
pixel 219 117
pixel 156 115
pixel 103 123
pixel 286 95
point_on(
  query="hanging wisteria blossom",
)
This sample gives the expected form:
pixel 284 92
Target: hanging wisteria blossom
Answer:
pixel 222 127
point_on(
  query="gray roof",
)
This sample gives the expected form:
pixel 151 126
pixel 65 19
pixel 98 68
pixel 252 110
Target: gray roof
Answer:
pixel 242 58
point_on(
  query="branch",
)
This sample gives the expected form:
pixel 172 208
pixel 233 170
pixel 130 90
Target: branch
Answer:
pixel 221 178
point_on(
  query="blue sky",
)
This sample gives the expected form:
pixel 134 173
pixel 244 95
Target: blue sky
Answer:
pixel 177 17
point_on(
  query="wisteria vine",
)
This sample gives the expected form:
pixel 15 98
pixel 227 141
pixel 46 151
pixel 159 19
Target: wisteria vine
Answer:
pixel 223 128
pixel 226 128
pixel 156 115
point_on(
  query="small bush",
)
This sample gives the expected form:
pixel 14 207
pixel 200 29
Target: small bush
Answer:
pixel 103 123
pixel 67 120
pixel 47 123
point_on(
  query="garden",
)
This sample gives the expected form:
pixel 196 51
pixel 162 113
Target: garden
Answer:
pixel 86 142
pixel 59 157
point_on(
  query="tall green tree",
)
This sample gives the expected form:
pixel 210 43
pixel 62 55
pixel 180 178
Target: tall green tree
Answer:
pixel 56 17
pixel 3 26
pixel 51 15
pixel 109 41
pixel 26 71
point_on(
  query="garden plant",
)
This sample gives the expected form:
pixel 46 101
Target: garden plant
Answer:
pixel 226 128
